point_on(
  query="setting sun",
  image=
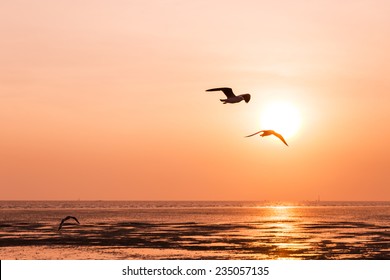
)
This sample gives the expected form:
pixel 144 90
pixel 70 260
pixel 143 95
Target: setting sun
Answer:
pixel 282 117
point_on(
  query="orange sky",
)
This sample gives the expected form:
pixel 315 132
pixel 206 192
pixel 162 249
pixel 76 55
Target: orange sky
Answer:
pixel 106 99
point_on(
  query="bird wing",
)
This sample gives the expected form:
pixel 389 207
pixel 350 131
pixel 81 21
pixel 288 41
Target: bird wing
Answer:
pixel 74 218
pixel 65 219
pixel 280 137
pixel 254 133
pixel 227 91
pixel 60 226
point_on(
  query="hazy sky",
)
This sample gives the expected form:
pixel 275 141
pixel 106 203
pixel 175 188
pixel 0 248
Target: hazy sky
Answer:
pixel 106 99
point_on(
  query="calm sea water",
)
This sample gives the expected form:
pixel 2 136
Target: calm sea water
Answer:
pixel 195 230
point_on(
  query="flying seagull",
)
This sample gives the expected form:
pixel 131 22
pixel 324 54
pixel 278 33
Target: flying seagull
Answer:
pixel 269 132
pixel 231 97
pixel 67 218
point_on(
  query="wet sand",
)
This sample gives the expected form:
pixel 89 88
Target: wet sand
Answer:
pixel 263 239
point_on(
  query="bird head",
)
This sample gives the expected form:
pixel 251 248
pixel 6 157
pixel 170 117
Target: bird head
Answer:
pixel 246 97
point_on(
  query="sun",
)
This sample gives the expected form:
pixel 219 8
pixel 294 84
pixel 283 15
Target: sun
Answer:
pixel 283 117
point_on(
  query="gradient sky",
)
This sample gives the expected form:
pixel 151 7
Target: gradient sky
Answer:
pixel 106 99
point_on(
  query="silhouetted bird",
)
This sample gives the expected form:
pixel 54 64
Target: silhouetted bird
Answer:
pixel 231 97
pixel 67 218
pixel 269 132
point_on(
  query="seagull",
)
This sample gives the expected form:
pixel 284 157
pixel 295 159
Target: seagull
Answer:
pixel 269 132
pixel 67 218
pixel 231 97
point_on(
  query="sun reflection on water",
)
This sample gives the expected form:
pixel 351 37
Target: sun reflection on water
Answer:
pixel 285 235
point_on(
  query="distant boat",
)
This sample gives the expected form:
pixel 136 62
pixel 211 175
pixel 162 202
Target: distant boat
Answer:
pixel 231 97
pixel 269 132
pixel 67 218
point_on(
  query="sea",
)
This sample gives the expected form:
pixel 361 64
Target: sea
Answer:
pixel 225 230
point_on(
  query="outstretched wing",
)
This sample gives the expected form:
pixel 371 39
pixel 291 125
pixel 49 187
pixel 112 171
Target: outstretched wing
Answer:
pixel 74 218
pixel 60 226
pixel 65 219
pixel 227 91
pixel 280 137
pixel 254 133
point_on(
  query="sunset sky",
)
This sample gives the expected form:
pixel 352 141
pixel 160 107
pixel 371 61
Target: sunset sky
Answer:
pixel 106 99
